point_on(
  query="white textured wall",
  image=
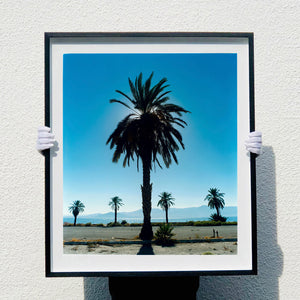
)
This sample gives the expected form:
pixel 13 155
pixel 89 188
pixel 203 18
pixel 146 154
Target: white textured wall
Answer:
pixel 276 27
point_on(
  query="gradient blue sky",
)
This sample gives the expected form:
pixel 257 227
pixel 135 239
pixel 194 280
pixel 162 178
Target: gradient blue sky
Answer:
pixel 205 84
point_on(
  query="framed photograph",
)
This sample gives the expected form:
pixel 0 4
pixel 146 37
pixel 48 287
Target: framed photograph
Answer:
pixel 149 174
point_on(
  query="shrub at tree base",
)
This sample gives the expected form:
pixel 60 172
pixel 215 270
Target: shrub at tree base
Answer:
pixel 163 235
pixel 113 224
pixel 216 217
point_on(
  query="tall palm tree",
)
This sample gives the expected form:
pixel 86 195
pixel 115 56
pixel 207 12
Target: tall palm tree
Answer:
pixel 146 133
pixel 76 208
pixel 165 202
pixel 115 204
pixel 215 200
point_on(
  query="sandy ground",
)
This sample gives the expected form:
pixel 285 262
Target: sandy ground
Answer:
pixel 115 234
pixel 131 233
pixel 220 248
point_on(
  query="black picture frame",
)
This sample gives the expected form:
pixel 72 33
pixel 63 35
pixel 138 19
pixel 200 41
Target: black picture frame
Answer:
pixel 54 37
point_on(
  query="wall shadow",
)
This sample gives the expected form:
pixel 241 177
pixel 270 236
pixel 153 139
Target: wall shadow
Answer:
pixel 270 257
pixel 96 288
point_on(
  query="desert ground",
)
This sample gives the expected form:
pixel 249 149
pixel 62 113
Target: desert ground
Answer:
pixel 219 248
pixel 192 240
pixel 131 233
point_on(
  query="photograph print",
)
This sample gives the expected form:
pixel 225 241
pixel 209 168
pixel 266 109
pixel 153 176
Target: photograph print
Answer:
pixel 149 164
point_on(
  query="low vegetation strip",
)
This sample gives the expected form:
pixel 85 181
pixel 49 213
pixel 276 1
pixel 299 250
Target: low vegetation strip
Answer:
pixel 125 224
pixel 210 240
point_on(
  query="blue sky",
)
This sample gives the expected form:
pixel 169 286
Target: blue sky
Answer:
pixel 205 84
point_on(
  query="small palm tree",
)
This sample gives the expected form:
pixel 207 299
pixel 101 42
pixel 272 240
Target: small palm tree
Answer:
pixel 215 200
pixel 76 208
pixel 115 204
pixel 165 202
pixel 147 133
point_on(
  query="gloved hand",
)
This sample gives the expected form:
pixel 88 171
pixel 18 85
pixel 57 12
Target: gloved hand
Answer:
pixel 45 139
pixel 254 142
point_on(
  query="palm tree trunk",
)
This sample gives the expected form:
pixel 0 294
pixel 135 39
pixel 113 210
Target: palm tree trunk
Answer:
pixel 75 219
pixel 146 232
pixel 167 219
pixel 115 215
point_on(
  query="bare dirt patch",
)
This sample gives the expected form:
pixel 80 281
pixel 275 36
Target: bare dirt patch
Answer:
pixel 218 248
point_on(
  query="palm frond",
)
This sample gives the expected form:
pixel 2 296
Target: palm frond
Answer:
pixel 151 128
pixel 123 94
pixel 166 200
pixel 133 90
pixel 121 102
pixel 116 203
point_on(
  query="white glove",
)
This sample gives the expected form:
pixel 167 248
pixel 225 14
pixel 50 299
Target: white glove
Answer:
pixel 45 139
pixel 254 142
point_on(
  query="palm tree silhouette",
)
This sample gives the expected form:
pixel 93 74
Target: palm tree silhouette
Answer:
pixel 165 202
pixel 76 207
pixel 115 204
pixel 147 132
pixel 215 200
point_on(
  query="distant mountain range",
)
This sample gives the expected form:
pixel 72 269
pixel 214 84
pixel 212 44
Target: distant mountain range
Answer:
pixel 175 214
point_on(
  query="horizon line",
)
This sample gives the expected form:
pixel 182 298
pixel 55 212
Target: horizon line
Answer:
pixel 112 211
